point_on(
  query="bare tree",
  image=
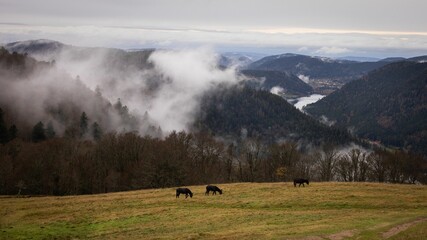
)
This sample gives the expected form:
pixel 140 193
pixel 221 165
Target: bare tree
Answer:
pixel 326 163
pixel 378 165
pixel 343 169
pixel 252 153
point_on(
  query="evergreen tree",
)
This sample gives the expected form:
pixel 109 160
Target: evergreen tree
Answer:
pixel 13 132
pixel 83 124
pixel 4 136
pixel 96 131
pixel 50 131
pixel 38 133
pixel 118 105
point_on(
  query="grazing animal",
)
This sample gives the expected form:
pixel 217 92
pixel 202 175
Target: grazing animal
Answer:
pixel 300 181
pixel 214 189
pixel 185 191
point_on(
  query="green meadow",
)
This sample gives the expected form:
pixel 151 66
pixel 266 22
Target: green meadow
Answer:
pixel 327 210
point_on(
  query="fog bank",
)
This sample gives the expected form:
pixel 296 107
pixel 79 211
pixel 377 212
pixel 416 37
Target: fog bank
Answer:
pixel 159 88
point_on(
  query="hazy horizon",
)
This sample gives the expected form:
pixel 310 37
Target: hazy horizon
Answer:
pixel 329 28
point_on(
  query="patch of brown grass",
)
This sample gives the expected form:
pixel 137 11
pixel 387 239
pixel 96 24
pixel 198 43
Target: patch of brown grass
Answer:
pixel 245 210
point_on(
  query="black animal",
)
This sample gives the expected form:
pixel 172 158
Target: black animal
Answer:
pixel 185 191
pixel 213 189
pixel 300 181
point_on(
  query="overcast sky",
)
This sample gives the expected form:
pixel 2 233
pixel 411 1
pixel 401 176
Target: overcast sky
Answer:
pixel 319 27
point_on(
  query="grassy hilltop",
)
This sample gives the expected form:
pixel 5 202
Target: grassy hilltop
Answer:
pixel 244 211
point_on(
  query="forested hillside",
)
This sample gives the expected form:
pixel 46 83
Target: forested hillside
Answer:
pixel 388 105
pixel 34 93
pixel 259 114
pixel 290 84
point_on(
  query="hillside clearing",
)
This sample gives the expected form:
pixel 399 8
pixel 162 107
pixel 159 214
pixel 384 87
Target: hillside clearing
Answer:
pixel 245 210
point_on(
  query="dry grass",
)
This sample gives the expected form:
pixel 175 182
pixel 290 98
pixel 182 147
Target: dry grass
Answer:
pixel 244 211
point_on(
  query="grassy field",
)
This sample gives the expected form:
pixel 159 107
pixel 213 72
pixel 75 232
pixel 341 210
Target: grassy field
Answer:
pixel 244 211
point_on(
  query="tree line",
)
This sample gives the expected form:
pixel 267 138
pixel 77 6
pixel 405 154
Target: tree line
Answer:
pixel 128 161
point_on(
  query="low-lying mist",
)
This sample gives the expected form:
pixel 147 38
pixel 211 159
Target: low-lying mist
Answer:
pixel 160 88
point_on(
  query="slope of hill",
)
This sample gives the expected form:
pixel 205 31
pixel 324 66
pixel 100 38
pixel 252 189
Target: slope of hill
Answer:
pixel 243 211
pixel 291 85
pixel 389 104
pixel 32 91
pixel 419 59
pixel 245 112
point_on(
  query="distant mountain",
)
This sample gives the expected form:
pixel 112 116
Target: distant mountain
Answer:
pixel 239 59
pixel 244 112
pixel 393 59
pixel 289 85
pixel 315 67
pixel 246 55
pixel 359 59
pixel 114 59
pixel 325 74
pixel 420 59
pixel 389 105
pixel 37 47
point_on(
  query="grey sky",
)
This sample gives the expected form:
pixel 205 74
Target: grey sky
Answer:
pixel 330 27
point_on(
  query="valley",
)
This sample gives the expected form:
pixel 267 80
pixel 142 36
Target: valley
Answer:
pixel 177 119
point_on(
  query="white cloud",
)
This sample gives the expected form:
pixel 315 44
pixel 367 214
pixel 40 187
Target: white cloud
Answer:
pixel 303 49
pixel 170 92
pixel 304 101
pixel 304 78
pixel 277 90
pixel 190 74
pixel 332 50
pixel 310 43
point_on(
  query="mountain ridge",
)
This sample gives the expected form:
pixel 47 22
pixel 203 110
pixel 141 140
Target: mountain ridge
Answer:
pixel 389 105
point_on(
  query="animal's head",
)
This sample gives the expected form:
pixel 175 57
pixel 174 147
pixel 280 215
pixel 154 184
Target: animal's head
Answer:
pixel 191 194
pixel 220 191
pixel 308 182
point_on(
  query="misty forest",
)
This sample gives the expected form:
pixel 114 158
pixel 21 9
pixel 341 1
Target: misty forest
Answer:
pixel 79 120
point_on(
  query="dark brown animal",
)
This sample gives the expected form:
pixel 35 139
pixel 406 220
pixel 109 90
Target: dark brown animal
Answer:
pixel 185 191
pixel 213 189
pixel 300 181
